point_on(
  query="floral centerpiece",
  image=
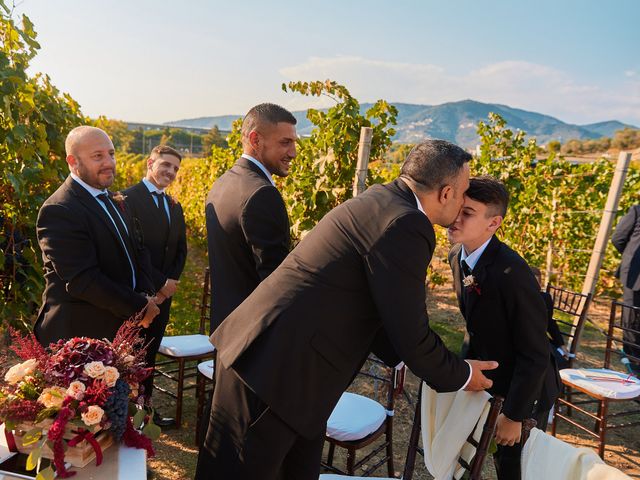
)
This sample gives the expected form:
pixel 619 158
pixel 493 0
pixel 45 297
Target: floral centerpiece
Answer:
pixel 81 393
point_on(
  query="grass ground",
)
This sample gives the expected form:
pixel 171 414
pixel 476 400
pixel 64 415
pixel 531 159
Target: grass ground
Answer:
pixel 177 453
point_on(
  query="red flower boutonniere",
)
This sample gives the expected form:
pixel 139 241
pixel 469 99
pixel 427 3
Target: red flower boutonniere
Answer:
pixel 470 284
pixel 172 201
pixel 119 198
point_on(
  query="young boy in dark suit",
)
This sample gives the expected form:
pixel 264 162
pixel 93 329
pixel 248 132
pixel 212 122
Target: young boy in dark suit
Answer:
pixel 505 316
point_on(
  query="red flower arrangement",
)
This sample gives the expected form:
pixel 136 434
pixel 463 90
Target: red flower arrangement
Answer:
pixel 74 390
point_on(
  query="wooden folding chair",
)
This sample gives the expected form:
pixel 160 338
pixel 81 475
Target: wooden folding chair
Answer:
pixel 180 349
pixel 567 307
pixel 206 376
pixel 474 467
pixel 357 422
pixel 621 389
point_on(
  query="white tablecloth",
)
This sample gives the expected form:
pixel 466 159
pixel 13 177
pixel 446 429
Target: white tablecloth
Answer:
pixel 118 463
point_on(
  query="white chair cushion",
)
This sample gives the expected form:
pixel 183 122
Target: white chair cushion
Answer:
pixel 612 389
pixel 206 369
pixel 185 345
pixel 354 417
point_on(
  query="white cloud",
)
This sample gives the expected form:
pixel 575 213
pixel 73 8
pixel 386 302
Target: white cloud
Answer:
pixel 520 84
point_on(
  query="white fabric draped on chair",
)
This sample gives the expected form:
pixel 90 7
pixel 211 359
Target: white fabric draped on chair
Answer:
pixel 447 421
pixel 544 456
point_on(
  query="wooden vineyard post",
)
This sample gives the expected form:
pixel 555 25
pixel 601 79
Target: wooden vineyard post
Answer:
pixel 364 150
pixel 610 209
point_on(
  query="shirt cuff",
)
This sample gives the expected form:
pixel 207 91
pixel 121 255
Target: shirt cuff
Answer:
pixel 468 379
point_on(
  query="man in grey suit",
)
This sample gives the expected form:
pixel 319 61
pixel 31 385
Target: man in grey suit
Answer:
pixel 626 239
pixel 287 353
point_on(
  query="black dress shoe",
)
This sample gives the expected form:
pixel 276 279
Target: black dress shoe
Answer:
pixel 163 421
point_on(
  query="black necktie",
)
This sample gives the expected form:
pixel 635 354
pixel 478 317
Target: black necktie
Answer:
pixel 160 199
pixel 466 271
pixel 104 198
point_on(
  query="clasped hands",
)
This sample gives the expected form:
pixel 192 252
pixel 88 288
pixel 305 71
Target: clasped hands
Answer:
pixel 151 309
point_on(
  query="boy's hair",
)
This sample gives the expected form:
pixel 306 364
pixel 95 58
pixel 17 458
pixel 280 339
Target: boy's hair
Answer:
pixel 491 192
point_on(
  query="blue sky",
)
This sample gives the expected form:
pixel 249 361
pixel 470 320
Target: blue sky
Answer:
pixel 157 61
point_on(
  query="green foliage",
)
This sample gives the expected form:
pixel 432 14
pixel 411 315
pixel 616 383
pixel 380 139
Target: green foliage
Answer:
pixel 321 176
pixel 213 138
pixel 625 139
pixel 554 146
pixel 551 200
pixel 196 177
pixel 34 120
pixel 118 131
pixel 130 169
pixel 398 152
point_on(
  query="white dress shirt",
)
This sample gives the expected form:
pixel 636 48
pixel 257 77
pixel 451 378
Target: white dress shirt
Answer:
pixel 473 257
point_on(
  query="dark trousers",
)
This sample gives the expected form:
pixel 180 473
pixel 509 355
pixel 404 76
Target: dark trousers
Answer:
pixel 247 441
pixel 632 320
pixel 153 336
pixel 507 459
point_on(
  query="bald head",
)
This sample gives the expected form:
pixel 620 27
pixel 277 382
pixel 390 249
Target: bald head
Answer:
pixel 81 134
pixel 91 156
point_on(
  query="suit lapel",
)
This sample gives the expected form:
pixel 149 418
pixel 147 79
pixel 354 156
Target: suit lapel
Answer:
pixel 245 163
pixel 92 205
pixel 150 204
pixel 479 273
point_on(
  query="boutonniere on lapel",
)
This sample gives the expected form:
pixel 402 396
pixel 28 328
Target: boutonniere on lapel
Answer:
pixel 470 284
pixel 172 201
pixel 119 198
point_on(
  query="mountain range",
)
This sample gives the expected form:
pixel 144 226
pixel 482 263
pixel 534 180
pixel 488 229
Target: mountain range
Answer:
pixel 454 121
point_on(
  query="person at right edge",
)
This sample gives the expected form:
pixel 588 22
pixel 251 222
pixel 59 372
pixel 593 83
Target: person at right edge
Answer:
pixel 626 239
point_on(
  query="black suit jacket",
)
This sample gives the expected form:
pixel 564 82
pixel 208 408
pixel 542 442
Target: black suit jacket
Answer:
pixel 507 322
pixel 166 242
pixel 553 331
pixel 304 332
pixel 88 289
pixel 247 233
pixel 626 239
